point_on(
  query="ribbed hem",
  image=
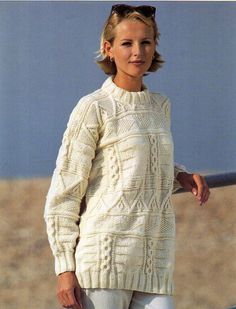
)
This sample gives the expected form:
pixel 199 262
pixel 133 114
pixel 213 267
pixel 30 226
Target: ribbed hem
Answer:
pixel 149 283
pixel 64 262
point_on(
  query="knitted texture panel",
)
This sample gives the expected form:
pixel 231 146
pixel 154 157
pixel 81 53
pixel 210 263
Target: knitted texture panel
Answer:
pixel 117 151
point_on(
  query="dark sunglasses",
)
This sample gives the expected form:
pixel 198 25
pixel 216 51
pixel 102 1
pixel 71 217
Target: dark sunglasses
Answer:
pixel 123 9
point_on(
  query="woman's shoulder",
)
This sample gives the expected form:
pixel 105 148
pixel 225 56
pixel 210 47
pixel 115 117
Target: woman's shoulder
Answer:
pixel 92 97
pixel 90 100
pixel 160 99
pixel 89 106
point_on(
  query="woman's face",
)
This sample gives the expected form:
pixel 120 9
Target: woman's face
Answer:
pixel 132 49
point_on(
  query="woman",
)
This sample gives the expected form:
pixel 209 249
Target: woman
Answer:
pixel 117 251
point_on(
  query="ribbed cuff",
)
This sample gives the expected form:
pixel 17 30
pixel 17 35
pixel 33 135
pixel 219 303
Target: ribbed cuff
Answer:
pixel 178 168
pixel 65 261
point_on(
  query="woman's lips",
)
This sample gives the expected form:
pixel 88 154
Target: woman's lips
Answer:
pixel 137 62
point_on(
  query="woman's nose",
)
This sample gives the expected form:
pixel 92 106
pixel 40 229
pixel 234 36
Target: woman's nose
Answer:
pixel 137 51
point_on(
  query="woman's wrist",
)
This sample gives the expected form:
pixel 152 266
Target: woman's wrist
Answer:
pixel 67 272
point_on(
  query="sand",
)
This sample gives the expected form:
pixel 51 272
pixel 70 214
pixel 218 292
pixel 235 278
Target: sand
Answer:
pixel 205 273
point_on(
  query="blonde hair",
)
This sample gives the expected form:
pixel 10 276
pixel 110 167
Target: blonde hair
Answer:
pixel 108 34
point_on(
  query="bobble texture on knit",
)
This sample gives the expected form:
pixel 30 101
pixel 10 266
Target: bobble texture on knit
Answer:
pixel 117 150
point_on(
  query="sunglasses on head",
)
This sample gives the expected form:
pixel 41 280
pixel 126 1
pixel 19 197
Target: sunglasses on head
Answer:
pixel 123 9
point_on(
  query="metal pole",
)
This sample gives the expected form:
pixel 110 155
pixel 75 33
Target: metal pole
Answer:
pixel 218 180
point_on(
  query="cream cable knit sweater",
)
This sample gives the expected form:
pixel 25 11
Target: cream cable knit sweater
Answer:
pixel 117 149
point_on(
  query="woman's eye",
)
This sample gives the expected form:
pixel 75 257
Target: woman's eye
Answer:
pixel 126 44
pixel 146 42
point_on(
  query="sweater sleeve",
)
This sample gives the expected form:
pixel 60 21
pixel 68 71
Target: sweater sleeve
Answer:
pixel 177 167
pixel 69 182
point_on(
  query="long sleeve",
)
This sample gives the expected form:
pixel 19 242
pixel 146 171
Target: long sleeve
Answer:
pixel 69 183
pixel 177 167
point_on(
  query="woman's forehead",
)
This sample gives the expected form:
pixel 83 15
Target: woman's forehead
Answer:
pixel 133 28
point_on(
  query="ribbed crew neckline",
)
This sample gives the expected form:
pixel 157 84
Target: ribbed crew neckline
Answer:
pixel 122 95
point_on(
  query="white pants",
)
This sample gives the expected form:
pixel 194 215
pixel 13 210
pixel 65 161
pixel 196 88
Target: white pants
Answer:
pixel 124 299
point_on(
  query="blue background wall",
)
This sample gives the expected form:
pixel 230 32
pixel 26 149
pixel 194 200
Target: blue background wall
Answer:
pixel 47 52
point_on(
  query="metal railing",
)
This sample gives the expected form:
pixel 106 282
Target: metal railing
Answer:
pixel 218 180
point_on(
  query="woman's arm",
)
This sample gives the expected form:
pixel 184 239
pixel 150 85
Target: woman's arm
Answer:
pixel 65 198
pixel 69 183
pixel 184 179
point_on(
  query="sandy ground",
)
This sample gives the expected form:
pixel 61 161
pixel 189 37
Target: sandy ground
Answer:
pixel 205 275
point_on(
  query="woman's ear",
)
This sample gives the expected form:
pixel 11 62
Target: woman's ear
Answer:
pixel 108 49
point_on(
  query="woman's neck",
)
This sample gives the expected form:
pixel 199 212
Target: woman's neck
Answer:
pixel 128 83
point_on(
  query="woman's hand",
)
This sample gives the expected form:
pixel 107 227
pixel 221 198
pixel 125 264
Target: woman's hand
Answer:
pixel 196 184
pixel 68 290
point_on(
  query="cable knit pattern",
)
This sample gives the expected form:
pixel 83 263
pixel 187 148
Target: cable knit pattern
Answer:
pixel 118 150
